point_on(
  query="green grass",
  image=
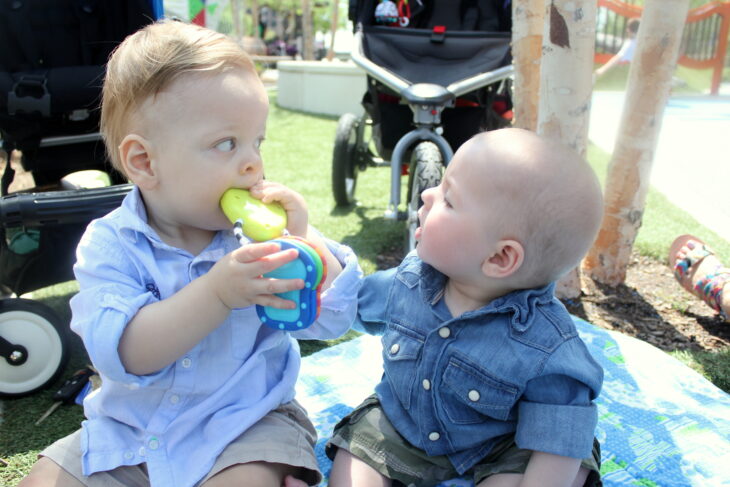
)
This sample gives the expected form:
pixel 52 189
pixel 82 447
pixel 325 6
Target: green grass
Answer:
pixel 298 153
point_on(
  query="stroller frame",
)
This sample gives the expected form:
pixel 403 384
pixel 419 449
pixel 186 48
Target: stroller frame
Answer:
pixel 425 142
pixel 51 71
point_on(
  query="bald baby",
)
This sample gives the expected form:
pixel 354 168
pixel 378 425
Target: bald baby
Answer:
pixel 552 201
pixel 534 204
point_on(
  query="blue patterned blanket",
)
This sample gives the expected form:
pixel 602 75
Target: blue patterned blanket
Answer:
pixel 660 423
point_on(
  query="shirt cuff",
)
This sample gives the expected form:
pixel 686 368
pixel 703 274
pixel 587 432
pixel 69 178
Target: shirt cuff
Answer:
pixel 558 429
pixel 344 288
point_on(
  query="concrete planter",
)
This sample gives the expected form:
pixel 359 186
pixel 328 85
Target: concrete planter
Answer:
pixel 321 87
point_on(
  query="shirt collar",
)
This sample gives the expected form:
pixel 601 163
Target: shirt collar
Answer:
pixel 133 217
pixel 133 225
pixel 519 304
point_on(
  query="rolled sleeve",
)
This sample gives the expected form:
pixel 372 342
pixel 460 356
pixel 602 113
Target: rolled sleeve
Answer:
pixel 107 300
pixel 100 317
pixel 338 305
pixel 557 414
pixel 558 429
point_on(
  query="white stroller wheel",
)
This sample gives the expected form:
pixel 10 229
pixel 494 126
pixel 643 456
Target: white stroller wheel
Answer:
pixel 34 347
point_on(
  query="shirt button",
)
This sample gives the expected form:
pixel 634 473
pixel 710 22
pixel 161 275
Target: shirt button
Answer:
pixel 141 451
pixel 128 455
pixel 474 395
pixel 174 399
pixel 434 436
pixel 426 384
pixel 394 349
pixel 186 362
pixel 153 444
pixel 444 332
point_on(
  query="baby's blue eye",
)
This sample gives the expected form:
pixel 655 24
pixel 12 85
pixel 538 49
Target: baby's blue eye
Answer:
pixel 226 145
pixel 258 142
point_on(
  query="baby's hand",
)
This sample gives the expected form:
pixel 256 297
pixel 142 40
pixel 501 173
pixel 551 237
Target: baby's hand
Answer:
pixel 293 203
pixel 237 279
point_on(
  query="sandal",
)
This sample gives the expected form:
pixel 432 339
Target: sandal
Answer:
pixel 708 287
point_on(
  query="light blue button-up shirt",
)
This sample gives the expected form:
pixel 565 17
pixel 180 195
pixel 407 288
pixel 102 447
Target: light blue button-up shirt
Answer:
pixel 179 419
pixel 457 385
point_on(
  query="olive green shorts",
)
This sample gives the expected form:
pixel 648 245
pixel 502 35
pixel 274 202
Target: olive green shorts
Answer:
pixel 367 434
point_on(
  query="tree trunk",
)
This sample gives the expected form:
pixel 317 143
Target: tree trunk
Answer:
pixel 650 76
pixel 255 19
pixel 528 17
pixel 236 14
pixel 333 29
pixel 307 36
pixel 566 84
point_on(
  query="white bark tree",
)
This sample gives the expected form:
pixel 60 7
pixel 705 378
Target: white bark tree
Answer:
pixel 307 34
pixel 333 28
pixel 237 18
pixel 528 17
pixel 650 75
pixel 255 19
pixel 566 84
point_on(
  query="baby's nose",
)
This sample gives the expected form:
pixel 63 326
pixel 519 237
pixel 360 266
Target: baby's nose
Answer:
pixel 249 165
pixel 427 196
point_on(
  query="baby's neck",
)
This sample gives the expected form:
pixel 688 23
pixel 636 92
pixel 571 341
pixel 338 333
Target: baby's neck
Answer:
pixel 460 297
pixel 194 240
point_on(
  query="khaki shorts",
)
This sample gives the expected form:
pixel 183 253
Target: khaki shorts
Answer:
pixel 367 434
pixel 275 438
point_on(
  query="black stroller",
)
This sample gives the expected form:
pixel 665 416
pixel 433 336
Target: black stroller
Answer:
pixel 438 72
pixel 51 69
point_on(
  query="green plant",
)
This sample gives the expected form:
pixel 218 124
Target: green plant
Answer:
pixel 714 366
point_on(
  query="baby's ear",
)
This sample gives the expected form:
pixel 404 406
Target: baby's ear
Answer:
pixel 137 162
pixel 507 259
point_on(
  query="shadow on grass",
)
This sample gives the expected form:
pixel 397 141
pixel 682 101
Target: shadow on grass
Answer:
pixel 378 239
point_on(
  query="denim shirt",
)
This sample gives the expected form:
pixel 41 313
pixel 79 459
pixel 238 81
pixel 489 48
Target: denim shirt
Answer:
pixel 178 420
pixel 455 386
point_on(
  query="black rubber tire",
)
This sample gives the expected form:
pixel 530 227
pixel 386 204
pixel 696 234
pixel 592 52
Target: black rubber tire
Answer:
pixel 344 161
pixel 426 171
pixel 39 330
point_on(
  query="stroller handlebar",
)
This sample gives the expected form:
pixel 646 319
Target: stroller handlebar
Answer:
pixel 389 79
pixel 480 80
pixel 399 85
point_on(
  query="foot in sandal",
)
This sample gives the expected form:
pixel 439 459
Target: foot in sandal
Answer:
pixel 701 273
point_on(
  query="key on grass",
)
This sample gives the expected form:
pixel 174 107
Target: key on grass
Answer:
pixel 68 391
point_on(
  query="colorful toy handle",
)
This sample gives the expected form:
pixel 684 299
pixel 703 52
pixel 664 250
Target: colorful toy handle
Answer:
pixel 260 221
pixel 310 267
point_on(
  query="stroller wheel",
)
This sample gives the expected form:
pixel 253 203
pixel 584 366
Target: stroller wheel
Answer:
pixel 425 172
pixel 33 345
pixel 344 160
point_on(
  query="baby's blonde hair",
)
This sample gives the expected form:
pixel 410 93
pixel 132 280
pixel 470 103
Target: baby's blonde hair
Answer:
pixel 150 60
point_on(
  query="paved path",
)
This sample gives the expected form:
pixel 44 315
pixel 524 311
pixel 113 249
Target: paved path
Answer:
pixel 692 161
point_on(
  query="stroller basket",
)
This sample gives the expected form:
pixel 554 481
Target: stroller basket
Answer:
pixel 414 55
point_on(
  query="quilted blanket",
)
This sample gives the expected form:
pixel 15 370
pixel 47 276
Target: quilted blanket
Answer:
pixel 660 423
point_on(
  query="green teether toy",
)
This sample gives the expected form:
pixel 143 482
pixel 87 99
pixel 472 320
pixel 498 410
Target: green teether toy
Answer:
pixel 260 221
